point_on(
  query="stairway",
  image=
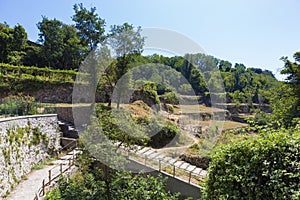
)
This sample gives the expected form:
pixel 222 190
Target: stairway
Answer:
pixel 69 139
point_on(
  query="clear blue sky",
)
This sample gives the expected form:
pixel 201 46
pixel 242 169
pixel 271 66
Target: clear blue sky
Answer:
pixel 254 32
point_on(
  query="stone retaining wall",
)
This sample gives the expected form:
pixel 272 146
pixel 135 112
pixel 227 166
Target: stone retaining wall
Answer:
pixel 24 142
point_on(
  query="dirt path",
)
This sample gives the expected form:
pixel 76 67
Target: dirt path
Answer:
pixel 180 148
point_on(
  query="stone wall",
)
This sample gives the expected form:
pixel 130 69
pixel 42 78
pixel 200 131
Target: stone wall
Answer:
pixel 24 142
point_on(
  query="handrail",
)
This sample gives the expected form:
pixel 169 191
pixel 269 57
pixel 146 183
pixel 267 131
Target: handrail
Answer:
pixel 52 176
pixel 73 140
pixel 163 166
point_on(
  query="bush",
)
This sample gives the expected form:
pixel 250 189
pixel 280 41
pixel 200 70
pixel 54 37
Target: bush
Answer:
pixel 164 136
pixel 266 167
pixel 171 98
pixel 18 105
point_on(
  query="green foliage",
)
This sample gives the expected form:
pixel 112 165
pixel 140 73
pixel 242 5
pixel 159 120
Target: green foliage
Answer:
pixel 171 98
pixel 37 136
pixel 61 46
pixel 89 25
pixel 139 187
pixel 18 105
pixel 31 72
pixel 12 43
pixel 263 167
pixel 123 185
pixel 285 102
pixel 165 132
pixel 123 129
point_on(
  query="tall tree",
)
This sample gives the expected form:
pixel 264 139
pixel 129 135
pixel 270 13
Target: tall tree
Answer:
pixel 51 37
pixel 126 43
pixel 89 25
pixel 61 46
pixel 292 69
pixel 20 38
pixel 286 100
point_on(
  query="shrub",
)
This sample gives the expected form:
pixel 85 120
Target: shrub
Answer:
pixel 266 167
pixel 18 104
pixel 165 135
pixel 171 98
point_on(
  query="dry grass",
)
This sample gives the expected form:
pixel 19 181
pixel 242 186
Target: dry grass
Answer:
pixel 195 109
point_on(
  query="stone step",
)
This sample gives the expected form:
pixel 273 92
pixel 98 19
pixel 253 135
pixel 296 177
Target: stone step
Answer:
pixel 178 163
pixel 184 165
pixel 142 151
pixel 197 170
pixel 191 168
pixel 160 157
pixel 203 173
pixel 154 155
pixel 166 159
pixel 149 152
pixel 172 161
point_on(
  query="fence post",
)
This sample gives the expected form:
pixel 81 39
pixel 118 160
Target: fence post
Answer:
pixel 43 187
pixel 159 164
pixel 190 176
pixel 5 109
pixel 60 169
pixel 49 177
pixel 173 170
pixel 17 113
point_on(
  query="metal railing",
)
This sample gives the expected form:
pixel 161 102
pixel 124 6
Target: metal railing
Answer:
pixel 164 166
pixel 14 109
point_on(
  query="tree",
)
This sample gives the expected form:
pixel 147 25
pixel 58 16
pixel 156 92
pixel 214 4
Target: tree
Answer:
pixel 6 38
pixel 61 48
pixel 13 42
pixel 72 50
pixel 224 66
pixel 20 38
pixel 292 69
pixel 285 102
pixel 127 43
pixel 89 25
pixel 51 36
pixel 123 185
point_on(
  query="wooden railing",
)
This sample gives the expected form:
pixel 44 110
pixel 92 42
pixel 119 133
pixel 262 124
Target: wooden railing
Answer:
pixel 165 167
pixel 54 174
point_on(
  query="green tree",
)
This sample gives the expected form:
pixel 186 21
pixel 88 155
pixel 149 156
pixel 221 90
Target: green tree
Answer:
pixel 20 38
pixel 89 25
pixel 72 49
pixel 51 36
pixel 285 102
pixel 6 39
pixel 13 42
pixel 292 69
pixel 127 43
pixel 61 48
pixel 224 66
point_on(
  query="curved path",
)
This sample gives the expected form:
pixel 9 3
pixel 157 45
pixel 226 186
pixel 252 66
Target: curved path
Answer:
pixel 27 189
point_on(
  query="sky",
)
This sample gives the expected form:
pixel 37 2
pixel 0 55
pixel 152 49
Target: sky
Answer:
pixel 256 33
